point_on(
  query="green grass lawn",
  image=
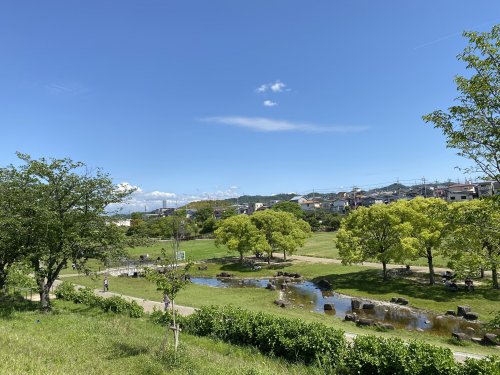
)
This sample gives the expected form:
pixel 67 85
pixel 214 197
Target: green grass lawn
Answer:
pixel 76 339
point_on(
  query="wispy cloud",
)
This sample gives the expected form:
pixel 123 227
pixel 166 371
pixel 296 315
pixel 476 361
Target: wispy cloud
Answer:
pixel 271 125
pixel 150 200
pixel 269 103
pixel 275 87
pixel 58 88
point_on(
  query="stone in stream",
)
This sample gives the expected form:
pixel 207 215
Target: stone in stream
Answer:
pixel 224 274
pixel 462 310
pixel 477 340
pixel 270 286
pixel 394 299
pixel 356 304
pixel 402 301
pixel 368 306
pixel 450 312
pixel 328 306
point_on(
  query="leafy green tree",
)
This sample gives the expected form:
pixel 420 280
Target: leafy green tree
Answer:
pixel 228 212
pixel 473 125
pixel 203 214
pixel 475 240
pixel 283 231
pixel 208 226
pixel 378 231
pixel 67 220
pixel 429 220
pixel 239 234
pixel 291 207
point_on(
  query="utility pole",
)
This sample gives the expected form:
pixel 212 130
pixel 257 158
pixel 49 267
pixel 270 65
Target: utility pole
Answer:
pixel 425 187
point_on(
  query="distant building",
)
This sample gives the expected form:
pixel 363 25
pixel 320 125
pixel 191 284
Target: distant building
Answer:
pixel 307 205
pixel 253 207
pixel 123 223
pixel 461 192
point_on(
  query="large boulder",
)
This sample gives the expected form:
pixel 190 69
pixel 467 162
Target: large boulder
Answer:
pixel 451 312
pixel 490 339
pixel 394 299
pixel 356 303
pixel 471 316
pixel 281 303
pixel 270 286
pixel 460 336
pixel 470 331
pixel 462 310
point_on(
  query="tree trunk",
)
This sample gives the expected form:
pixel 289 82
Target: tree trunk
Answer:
pixel 494 276
pixel 44 290
pixel 431 266
pixel 3 280
pixel 384 266
pixel 482 273
pixel 284 255
pixel 241 257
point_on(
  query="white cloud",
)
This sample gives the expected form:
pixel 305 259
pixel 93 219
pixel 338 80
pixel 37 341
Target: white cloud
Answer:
pixel 69 88
pixel 276 86
pixel 269 103
pixel 271 125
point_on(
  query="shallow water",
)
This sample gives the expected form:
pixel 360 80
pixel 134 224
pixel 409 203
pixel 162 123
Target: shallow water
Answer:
pixel 305 295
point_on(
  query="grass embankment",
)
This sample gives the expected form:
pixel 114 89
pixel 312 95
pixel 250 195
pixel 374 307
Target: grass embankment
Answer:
pixel 80 340
pixel 262 300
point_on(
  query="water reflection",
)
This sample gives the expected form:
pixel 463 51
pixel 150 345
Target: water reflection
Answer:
pixel 305 295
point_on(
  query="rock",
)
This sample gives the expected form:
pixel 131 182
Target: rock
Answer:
pixel 386 326
pixel 402 301
pixel 270 286
pixel 462 310
pixel 368 306
pixel 419 330
pixel 287 280
pixel 476 340
pixel 224 274
pixel 427 322
pixel 450 312
pixel 202 268
pixel 460 336
pixel 301 305
pixel 281 303
pixel 490 339
pixel 297 275
pixel 394 299
pixel 329 306
pixel 470 331
pixel 279 273
pixel 351 317
pixel 364 322
pixel 356 304
pixel 471 316
pixel 324 284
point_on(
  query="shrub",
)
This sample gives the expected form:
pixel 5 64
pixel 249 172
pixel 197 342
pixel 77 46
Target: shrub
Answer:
pixel 485 366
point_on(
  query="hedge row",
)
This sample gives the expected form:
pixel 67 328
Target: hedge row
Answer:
pixel 315 343
pixel 86 296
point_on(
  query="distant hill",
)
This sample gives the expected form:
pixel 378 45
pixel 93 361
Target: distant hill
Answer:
pixel 208 203
pixel 260 198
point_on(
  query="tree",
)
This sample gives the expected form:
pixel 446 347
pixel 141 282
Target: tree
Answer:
pixel 282 231
pixel 291 207
pixel 429 220
pixel 172 280
pixel 203 214
pixel 378 232
pixel 475 240
pixel 239 234
pixel 473 126
pixel 66 219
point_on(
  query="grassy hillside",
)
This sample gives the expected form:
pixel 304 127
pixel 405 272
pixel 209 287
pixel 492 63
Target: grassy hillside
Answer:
pixel 79 340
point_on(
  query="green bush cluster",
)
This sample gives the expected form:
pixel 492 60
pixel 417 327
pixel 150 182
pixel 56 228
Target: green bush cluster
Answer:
pixel 86 296
pixel 291 339
pixel 315 343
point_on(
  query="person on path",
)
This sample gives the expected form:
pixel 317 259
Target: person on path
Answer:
pixel 106 285
pixel 166 301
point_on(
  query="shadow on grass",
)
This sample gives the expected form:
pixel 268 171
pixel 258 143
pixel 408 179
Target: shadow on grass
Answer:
pixel 9 304
pixel 371 282
pixel 124 350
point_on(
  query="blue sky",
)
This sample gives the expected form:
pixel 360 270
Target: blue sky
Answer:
pixel 188 99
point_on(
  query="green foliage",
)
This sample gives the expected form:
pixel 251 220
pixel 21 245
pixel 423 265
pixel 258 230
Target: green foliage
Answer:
pixel 171 280
pixel 485 366
pixel 19 276
pixel 291 339
pixel 378 355
pixel 473 126
pixel 291 207
pixel 66 291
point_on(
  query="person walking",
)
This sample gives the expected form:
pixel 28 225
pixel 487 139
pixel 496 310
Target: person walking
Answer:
pixel 106 284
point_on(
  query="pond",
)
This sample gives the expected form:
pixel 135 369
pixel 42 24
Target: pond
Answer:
pixel 306 295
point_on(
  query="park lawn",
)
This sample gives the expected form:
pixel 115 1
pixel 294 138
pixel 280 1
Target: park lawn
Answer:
pixel 77 339
pixel 262 300
pixel 320 245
